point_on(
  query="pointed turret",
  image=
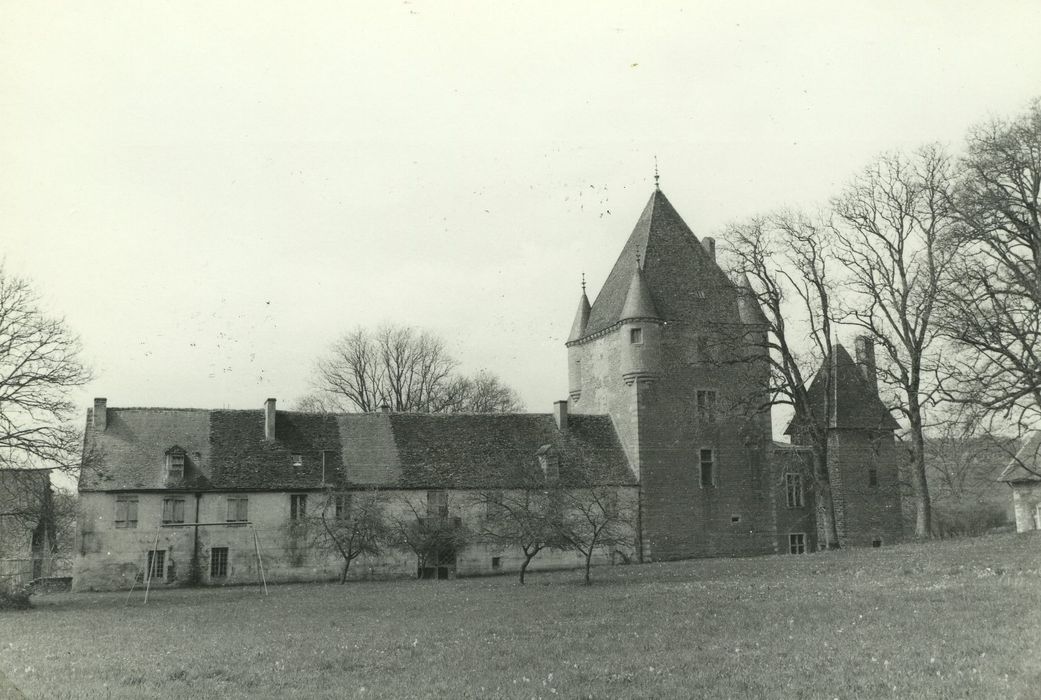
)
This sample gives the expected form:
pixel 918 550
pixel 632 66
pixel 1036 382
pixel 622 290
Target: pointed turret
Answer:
pixel 574 362
pixel 638 303
pixel 641 331
pixel 747 304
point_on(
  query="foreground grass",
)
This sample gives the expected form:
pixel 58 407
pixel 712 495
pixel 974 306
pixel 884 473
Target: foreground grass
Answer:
pixel 952 619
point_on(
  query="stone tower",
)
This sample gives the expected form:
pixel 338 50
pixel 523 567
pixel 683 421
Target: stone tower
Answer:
pixel 668 350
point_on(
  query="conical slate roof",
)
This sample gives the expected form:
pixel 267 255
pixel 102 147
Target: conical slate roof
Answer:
pixel 854 403
pixel 578 328
pixel 638 302
pixel 683 282
pixel 747 303
pixel 1026 465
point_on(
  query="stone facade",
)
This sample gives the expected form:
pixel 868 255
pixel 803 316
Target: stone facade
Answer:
pixel 1023 475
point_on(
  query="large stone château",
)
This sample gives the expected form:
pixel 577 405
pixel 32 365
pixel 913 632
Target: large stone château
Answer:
pixel 666 405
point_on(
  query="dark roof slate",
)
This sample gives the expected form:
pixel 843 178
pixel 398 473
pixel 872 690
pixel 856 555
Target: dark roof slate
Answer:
pixel 227 450
pixel 855 404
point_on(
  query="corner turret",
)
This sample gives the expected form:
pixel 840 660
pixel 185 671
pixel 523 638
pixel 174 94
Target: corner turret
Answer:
pixel 578 329
pixel 640 332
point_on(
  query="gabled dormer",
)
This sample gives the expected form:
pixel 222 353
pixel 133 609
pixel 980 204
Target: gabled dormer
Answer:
pixel 175 465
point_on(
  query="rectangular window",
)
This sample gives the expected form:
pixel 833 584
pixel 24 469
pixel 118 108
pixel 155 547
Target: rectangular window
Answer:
pixel 872 478
pixel 218 562
pixel 877 542
pixel 175 466
pixel 156 561
pixel 238 509
pixel 437 504
pixel 735 518
pixel 708 468
pixel 797 543
pixel 297 506
pixel 126 511
pixel 173 510
pixel 342 504
pixel 793 487
pixel 706 400
pixel 496 563
pixel 298 460
pixel 636 336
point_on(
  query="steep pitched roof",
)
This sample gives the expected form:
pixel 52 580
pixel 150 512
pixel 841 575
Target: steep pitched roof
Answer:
pixel 227 450
pixel 683 280
pixel 854 403
pixel 1026 465
pixel 578 328
pixel 748 307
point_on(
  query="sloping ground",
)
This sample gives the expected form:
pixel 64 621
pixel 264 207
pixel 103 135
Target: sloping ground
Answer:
pixel 943 620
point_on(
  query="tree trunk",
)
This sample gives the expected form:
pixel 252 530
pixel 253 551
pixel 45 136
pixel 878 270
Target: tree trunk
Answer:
pixel 343 576
pixel 923 503
pixel 589 559
pixel 524 567
pixel 825 505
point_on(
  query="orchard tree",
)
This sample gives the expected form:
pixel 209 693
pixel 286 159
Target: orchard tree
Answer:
pixel 351 524
pixel 593 517
pixel 524 518
pixel 427 531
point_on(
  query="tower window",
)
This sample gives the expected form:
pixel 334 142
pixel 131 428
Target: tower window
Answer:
pixel 872 477
pixel 706 401
pixel 636 336
pixel 797 543
pixel 708 468
pixel 298 460
pixel 793 487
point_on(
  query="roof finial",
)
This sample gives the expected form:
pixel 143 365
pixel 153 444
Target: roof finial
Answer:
pixel 583 283
pixel 656 173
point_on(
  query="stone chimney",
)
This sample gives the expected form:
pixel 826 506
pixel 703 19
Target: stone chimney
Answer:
pixel 560 415
pixel 384 407
pixel 864 348
pixel 269 420
pixel 100 415
pixel 709 244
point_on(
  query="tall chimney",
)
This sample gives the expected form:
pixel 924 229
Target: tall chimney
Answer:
pixel 864 347
pixel 269 420
pixel 709 244
pixel 384 407
pixel 100 415
pixel 560 414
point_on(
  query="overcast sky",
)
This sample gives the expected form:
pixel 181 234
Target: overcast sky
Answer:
pixel 210 193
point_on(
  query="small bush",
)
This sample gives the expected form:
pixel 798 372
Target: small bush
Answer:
pixel 15 599
pixel 967 519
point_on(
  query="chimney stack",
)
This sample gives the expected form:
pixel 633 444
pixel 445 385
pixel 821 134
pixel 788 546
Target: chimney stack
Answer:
pixel 864 347
pixel 100 415
pixel 709 244
pixel 269 420
pixel 560 415
pixel 384 407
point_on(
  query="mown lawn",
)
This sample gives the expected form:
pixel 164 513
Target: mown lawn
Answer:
pixel 951 619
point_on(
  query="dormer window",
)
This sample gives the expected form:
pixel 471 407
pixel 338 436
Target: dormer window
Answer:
pixel 549 462
pixel 175 460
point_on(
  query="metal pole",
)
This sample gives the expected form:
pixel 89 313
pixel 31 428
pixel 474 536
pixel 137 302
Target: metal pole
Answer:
pixel 260 561
pixel 149 564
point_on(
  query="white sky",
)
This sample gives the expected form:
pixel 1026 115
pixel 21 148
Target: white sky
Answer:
pixel 210 193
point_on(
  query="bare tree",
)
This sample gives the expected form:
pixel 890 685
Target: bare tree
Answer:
pixel 521 518
pixel 427 531
pixel 782 264
pixel 895 239
pixel 39 364
pixel 593 517
pixel 991 304
pixel 406 369
pixel 350 524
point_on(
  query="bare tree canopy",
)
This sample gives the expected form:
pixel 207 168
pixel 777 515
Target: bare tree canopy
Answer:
pixel 784 258
pixel 992 301
pixel 350 525
pixel 408 370
pixel 895 238
pixel 39 364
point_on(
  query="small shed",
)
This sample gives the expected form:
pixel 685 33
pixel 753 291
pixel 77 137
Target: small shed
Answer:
pixel 1023 474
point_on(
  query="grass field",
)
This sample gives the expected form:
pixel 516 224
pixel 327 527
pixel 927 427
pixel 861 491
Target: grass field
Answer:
pixel 942 620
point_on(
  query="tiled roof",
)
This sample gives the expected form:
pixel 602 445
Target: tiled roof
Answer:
pixel 684 282
pixel 855 404
pixel 226 450
pixel 1026 465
